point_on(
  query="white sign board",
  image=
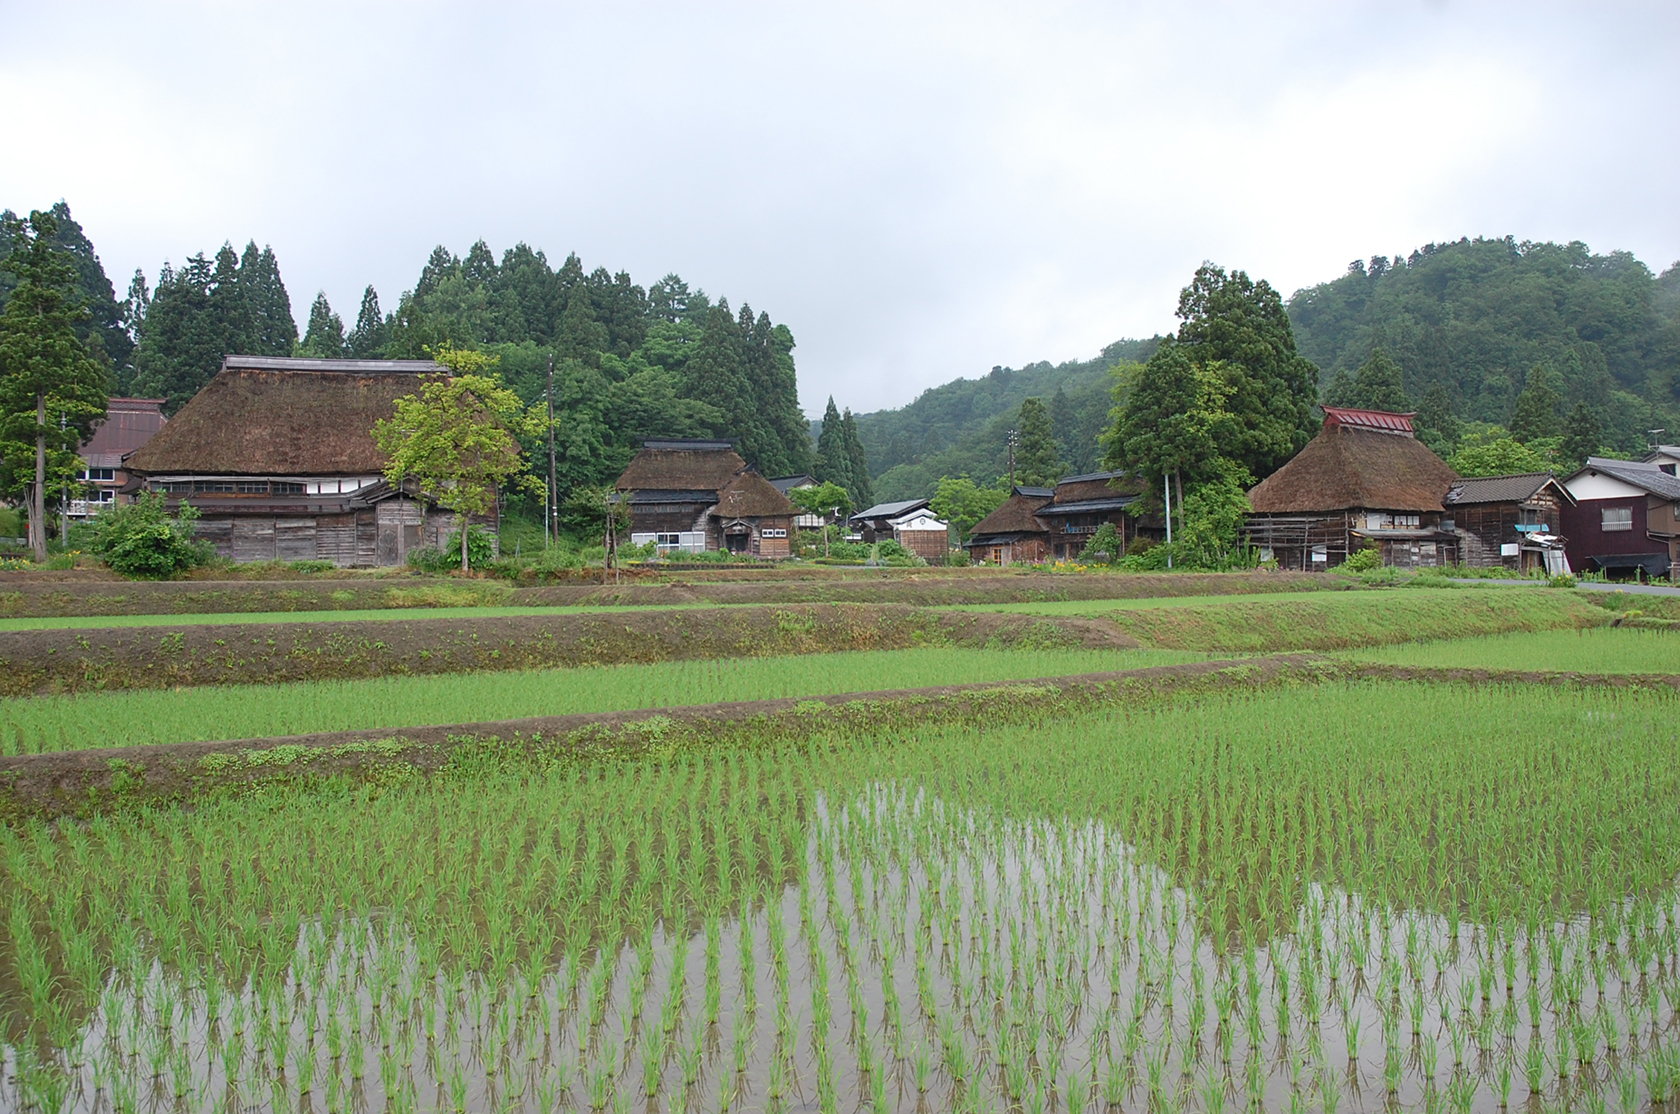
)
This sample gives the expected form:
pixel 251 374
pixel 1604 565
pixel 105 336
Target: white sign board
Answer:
pixel 1509 549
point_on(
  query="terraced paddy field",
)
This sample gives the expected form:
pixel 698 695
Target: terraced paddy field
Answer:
pixel 1126 872
pixel 123 719
pixel 1590 650
pixel 1326 621
pixel 380 615
pixel 1267 900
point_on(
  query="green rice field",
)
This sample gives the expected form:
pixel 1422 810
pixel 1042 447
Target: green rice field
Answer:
pixel 1597 650
pixel 1335 620
pixel 32 725
pixel 389 614
pixel 1372 896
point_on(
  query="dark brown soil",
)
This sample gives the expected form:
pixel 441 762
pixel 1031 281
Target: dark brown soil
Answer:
pixel 49 594
pixel 49 661
pixel 80 783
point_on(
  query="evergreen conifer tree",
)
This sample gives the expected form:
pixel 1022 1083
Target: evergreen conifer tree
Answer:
pixel 1435 424
pixel 324 339
pixel 1536 414
pixel 52 389
pixel 367 339
pixel 1378 385
pixel 271 331
pixel 857 461
pixel 1037 461
pixel 1581 433
pixel 833 463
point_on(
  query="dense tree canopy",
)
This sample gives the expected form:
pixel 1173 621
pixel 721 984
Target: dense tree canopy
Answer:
pixel 1038 459
pixel 207 310
pixel 1471 320
pixel 102 328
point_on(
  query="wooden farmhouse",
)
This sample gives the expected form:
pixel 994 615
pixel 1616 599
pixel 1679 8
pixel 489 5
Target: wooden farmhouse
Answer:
pixel 697 496
pixel 1043 524
pixel 278 457
pixel 1624 519
pixel 129 423
pixel 1365 479
pixel 1513 521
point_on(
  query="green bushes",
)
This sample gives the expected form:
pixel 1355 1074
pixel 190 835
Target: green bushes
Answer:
pixel 142 541
pixel 481 550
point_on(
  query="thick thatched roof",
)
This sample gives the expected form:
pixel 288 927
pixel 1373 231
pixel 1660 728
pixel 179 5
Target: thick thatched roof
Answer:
pixel 750 495
pixel 1349 467
pixel 682 466
pixel 1015 516
pixel 283 418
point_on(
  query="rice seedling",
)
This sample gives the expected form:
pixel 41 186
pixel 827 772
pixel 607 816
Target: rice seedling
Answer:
pixel 34 725
pixel 1130 908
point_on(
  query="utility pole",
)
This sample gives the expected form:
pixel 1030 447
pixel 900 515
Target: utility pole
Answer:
pixel 63 500
pixel 551 509
pixel 1012 462
pixel 1166 492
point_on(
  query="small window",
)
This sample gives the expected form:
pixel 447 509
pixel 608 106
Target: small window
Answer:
pixel 1616 518
pixel 253 487
pixel 285 488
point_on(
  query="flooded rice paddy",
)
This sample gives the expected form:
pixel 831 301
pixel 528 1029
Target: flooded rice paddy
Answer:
pixel 1228 904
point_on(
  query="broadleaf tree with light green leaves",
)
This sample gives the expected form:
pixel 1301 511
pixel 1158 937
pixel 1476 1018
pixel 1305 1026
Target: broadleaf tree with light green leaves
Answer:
pixel 458 437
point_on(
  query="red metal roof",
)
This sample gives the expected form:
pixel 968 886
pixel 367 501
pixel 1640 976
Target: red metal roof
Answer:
pixel 1384 420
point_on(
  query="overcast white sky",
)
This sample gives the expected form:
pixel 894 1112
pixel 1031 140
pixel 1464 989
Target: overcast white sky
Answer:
pixel 920 191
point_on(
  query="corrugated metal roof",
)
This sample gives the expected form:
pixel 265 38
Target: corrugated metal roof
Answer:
pixel 129 423
pixel 688 445
pixel 1386 421
pixel 1087 506
pixel 1036 492
pixel 288 363
pixel 785 484
pixel 1496 489
pixel 1090 477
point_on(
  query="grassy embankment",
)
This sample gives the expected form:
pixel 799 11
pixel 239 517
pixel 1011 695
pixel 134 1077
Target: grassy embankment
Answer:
pixel 34 725
pixel 1454 915
pixel 1330 621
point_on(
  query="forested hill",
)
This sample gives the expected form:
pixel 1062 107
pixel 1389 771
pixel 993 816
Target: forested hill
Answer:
pixel 961 427
pixel 1478 317
pixel 1477 320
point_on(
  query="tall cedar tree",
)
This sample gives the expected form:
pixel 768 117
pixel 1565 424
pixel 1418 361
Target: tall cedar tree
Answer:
pixel 206 311
pixel 1038 463
pixel 1581 433
pixel 367 339
pixel 1435 424
pixel 1536 413
pixel 324 338
pixel 52 390
pixel 857 462
pixel 1271 390
pixel 103 330
pixel 833 464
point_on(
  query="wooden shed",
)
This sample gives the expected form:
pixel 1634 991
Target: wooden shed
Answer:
pixel 278 457
pixel 1364 480
pixel 1012 535
pixel 1514 521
